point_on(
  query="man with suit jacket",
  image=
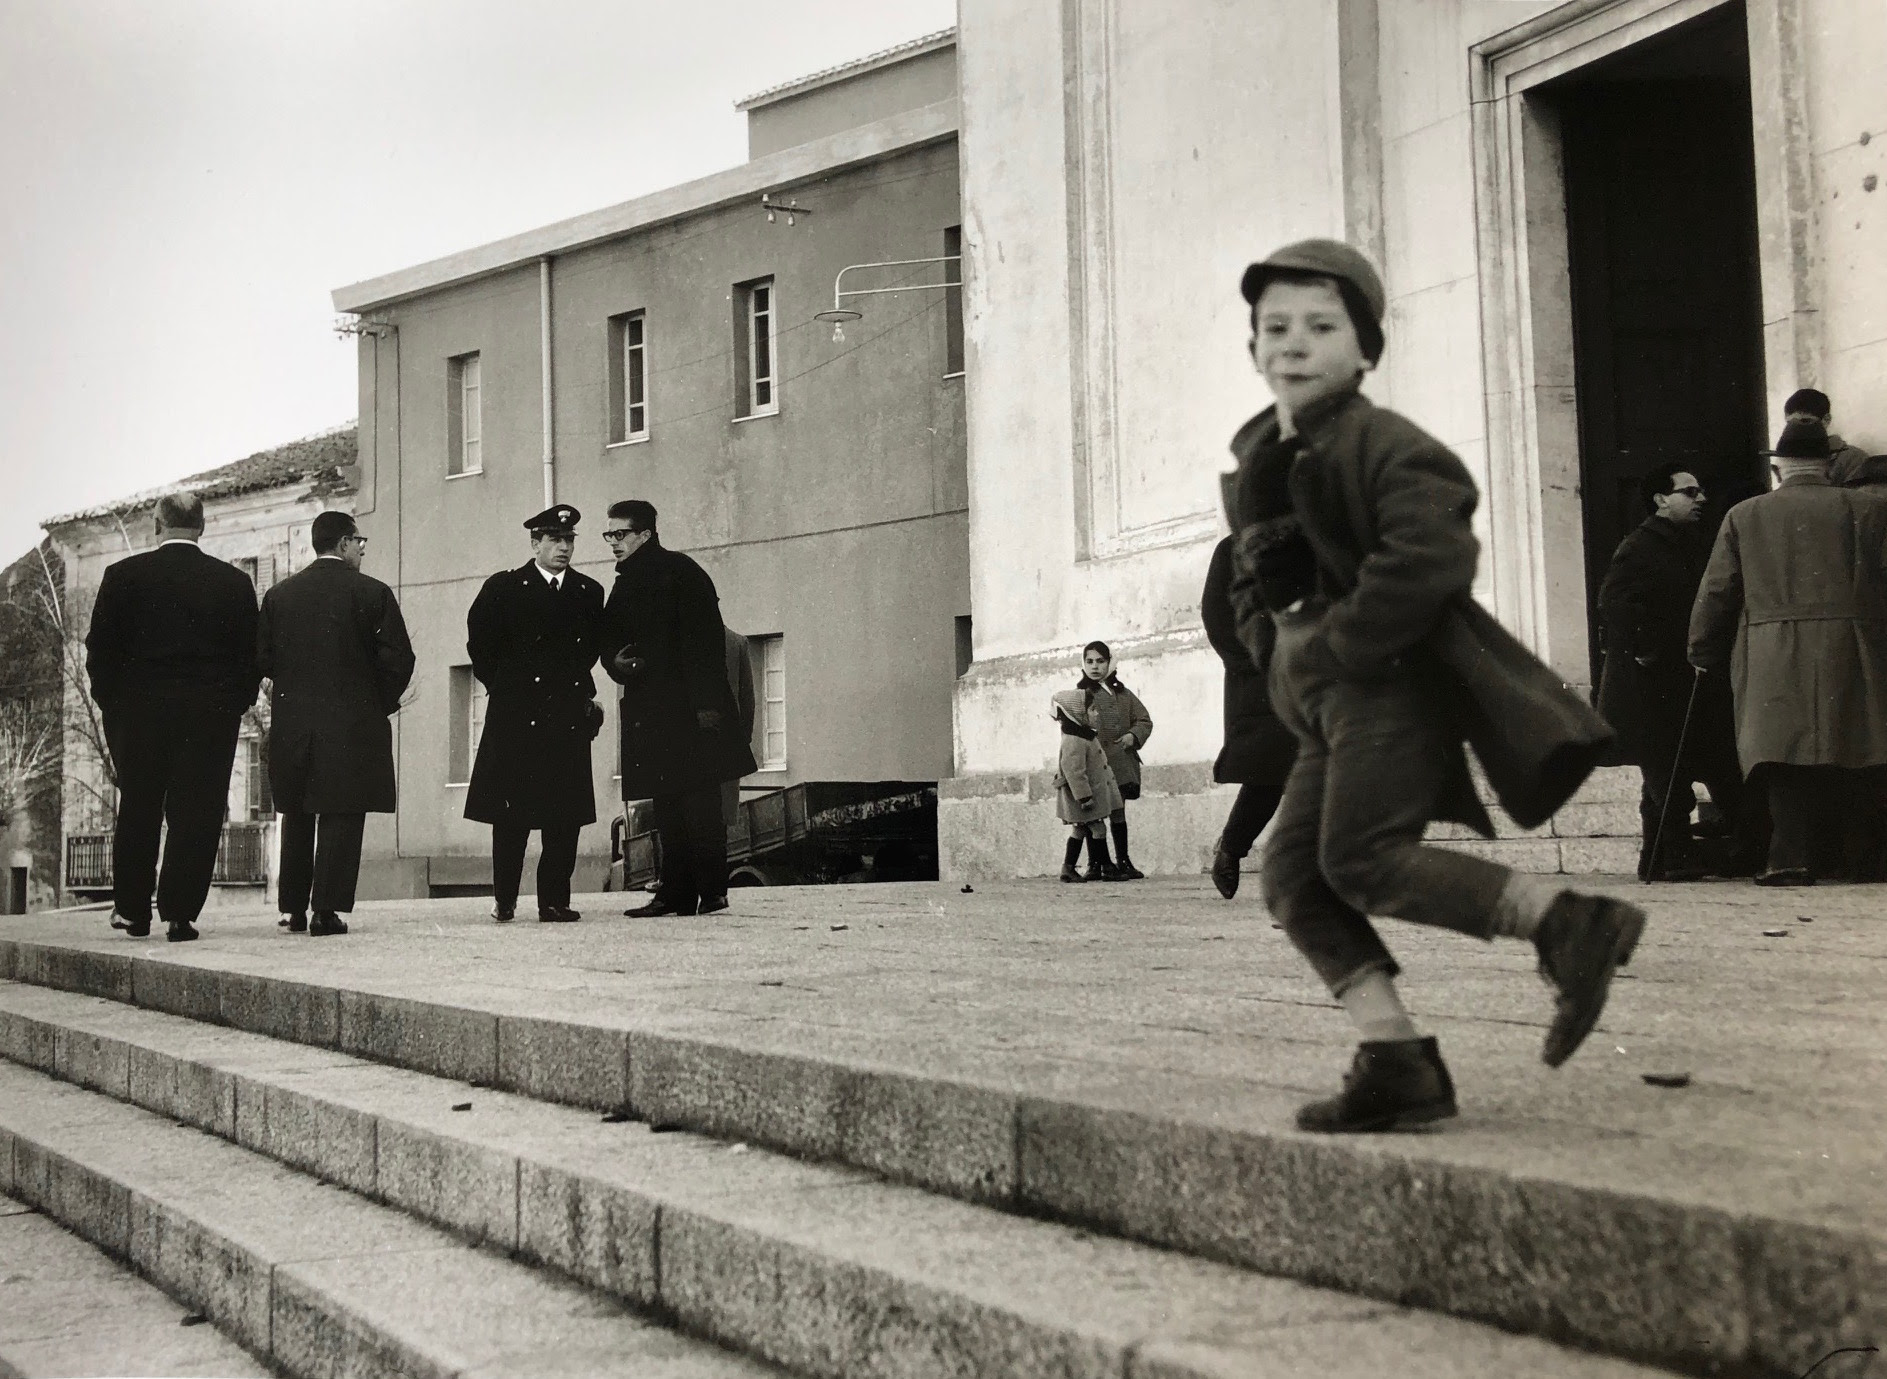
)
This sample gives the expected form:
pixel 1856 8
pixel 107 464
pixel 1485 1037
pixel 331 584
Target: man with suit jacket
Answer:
pixel 532 634
pixel 664 643
pixel 332 641
pixel 171 655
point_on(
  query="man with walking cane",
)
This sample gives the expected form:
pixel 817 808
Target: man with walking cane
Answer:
pixel 1794 607
pixel 1676 729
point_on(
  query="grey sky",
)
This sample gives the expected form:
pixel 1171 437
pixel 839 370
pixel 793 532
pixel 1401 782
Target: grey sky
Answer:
pixel 183 182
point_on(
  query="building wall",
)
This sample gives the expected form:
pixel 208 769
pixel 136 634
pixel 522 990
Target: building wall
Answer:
pixel 838 523
pixel 908 84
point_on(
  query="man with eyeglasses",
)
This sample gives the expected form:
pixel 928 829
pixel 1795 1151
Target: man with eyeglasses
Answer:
pixel 1645 688
pixel 332 641
pixel 532 636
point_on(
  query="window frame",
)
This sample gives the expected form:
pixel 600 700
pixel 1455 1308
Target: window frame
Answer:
pixel 749 343
pixel 465 375
pixel 768 652
pixel 623 353
pixel 466 705
pixel 954 353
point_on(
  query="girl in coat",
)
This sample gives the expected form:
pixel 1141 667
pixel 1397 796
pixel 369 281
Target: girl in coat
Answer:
pixel 1124 727
pixel 1085 789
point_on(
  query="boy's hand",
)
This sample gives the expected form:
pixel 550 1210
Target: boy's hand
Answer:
pixel 1086 801
pixel 1129 740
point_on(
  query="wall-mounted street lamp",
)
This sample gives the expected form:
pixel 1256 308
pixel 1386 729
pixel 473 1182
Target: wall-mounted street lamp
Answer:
pixel 840 313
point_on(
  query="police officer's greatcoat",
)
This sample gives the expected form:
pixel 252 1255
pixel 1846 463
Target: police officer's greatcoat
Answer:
pixel 533 648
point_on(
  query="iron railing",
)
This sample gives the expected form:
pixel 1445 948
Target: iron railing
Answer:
pixel 242 858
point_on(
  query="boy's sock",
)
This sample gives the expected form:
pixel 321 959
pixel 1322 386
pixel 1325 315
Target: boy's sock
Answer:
pixel 1524 899
pixel 1374 1008
pixel 1119 829
pixel 1073 855
pixel 1097 851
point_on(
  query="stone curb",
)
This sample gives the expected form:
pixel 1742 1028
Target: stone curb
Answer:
pixel 1684 1285
pixel 733 1247
pixel 320 1312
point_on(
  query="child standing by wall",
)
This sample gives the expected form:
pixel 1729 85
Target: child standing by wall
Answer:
pixel 1353 537
pixel 1124 726
pixel 1085 789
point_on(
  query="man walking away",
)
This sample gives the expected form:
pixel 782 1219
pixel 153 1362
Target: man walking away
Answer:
pixel 532 636
pixel 740 685
pixel 1645 689
pixel 1794 607
pixel 333 643
pixel 1849 466
pixel 171 655
pixel 664 643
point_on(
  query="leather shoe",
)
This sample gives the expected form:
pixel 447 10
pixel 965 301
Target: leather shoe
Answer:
pixel 182 932
pixel 557 914
pixel 326 922
pixel 1225 869
pixel 295 924
pixel 658 907
pixel 1392 1085
pixel 1786 876
pixel 711 905
pixel 504 914
pixel 131 928
pixel 1582 940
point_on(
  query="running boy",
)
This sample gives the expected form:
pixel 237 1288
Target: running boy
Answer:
pixel 1352 535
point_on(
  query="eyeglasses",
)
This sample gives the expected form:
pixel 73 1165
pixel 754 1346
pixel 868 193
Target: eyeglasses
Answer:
pixel 1689 491
pixel 361 539
pixel 620 533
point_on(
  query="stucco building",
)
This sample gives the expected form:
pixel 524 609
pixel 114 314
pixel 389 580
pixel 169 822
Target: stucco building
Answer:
pixel 257 513
pixel 667 349
pixel 1613 232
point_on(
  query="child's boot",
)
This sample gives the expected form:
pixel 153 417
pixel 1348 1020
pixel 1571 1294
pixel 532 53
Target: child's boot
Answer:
pixel 1100 865
pixel 1069 858
pixel 1393 1084
pixel 1124 867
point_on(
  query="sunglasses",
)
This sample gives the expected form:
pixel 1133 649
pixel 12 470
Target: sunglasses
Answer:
pixel 1689 491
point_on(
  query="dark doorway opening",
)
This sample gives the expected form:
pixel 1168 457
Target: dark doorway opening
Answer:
pixel 1666 282
pixel 16 891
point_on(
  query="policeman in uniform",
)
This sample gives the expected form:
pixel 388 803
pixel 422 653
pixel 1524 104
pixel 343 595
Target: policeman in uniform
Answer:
pixel 533 636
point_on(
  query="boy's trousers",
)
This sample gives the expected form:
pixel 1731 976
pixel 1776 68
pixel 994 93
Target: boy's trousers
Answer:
pixel 1374 760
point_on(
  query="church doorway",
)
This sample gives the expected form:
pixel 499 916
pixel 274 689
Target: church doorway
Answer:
pixel 1666 295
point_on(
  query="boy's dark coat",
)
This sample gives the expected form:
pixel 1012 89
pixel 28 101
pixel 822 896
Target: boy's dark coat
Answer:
pixel 333 642
pixel 664 605
pixel 1386 509
pixel 1257 745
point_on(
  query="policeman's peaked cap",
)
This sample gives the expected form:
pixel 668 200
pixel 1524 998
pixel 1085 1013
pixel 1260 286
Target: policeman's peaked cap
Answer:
pixel 1356 277
pixel 560 519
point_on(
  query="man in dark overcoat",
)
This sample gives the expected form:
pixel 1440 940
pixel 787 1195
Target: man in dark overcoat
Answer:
pixel 533 634
pixel 664 643
pixel 1258 748
pixel 1646 686
pixel 1793 608
pixel 334 646
pixel 171 654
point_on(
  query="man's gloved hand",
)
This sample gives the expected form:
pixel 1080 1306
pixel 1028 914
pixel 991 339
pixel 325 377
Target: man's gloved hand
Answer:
pixel 709 720
pixel 593 713
pixel 627 664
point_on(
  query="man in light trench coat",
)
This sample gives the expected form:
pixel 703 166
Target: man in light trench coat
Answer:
pixel 1793 607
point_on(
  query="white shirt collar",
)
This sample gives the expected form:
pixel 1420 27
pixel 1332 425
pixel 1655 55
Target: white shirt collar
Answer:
pixel 328 555
pixel 551 577
pixel 178 541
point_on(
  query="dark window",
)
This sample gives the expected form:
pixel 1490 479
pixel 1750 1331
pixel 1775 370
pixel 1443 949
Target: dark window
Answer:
pixel 966 648
pixel 953 301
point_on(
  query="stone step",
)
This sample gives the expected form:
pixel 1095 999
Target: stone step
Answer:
pixel 820 1268
pixel 67 1308
pixel 313 1278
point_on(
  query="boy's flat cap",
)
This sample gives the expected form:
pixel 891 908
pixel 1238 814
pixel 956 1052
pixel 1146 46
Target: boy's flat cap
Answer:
pixel 1329 257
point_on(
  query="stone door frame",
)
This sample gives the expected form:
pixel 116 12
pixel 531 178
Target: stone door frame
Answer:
pixel 1536 545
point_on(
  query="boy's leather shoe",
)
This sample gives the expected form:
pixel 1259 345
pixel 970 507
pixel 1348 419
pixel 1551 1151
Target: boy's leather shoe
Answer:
pixel 1125 870
pixel 326 923
pixel 131 928
pixel 295 923
pixel 1392 1085
pixel 182 932
pixel 557 914
pixel 1582 940
pixel 1101 871
pixel 658 907
pixel 1225 868
pixel 1070 872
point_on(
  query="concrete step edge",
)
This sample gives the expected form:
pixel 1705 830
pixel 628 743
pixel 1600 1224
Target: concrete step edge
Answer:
pixel 862 1306
pixel 1532 1255
pixel 69 1308
pixel 318 1309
